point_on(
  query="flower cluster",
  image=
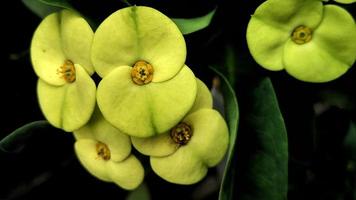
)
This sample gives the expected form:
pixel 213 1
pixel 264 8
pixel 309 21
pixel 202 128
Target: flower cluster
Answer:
pixel 147 96
pixel 311 41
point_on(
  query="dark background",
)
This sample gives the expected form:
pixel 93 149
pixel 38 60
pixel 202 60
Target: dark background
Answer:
pixel 46 168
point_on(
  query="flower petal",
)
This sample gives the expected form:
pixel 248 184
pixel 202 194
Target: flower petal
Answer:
pixel 272 24
pixel 146 110
pixel 329 54
pixel 159 145
pixel 76 39
pixel 70 106
pixel 266 48
pixel 182 167
pixel 59 37
pixel 310 63
pixel 346 1
pixel 128 174
pixel 210 135
pixel 87 155
pixel 139 33
pixel 203 99
pixel 46 50
pixel 98 128
pixel 287 15
pixel 337 34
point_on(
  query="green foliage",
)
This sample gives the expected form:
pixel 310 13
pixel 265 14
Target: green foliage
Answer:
pixel 187 26
pixel 42 8
pixel 263 167
pixel 15 141
pixel 232 117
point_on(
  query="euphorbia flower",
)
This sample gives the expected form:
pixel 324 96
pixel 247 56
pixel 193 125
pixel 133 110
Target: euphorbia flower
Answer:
pixel 146 88
pixel 183 154
pixel 60 54
pixel 312 42
pixel 106 153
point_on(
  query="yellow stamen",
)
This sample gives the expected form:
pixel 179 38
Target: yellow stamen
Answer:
pixel 103 151
pixel 302 35
pixel 142 73
pixel 67 71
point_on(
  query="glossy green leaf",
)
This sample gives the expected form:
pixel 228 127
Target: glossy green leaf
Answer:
pixel 232 117
pixel 57 3
pixel 192 25
pixel 42 8
pixel 263 163
pixel 39 8
pixel 14 142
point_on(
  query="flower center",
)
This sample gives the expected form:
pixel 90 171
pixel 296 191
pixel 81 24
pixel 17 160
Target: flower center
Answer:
pixel 302 35
pixel 103 151
pixel 142 72
pixel 181 134
pixel 67 71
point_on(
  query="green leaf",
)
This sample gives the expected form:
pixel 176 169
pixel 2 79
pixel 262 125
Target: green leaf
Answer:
pixel 42 8
pixel 262 163
pixel 57 3
pixel 14 142
pixel 142 193
pixel 231 116
pixel 350 141
pixel 39 8
pixel 191 25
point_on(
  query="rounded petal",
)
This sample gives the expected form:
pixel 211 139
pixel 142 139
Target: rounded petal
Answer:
pixel 210 136
pixel 76 38
pixel 287 15
pixel 182 167
pixel 127 174
pixel 160 145
pixel 99 129
pixel 346 1
pixel 266 48
pixel 139 33
pixel 146 110
pixel 311 63
pixel 329 54
pixel 59 37
pixel 272 24
pixel 70 106
pixel 204 99
pixel 337 34
pixel 87 155
pixel 46 50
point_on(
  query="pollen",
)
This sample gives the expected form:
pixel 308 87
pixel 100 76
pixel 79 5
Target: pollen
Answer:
pixel 67 71
pixel 142 73
pixel 301 35
pixel 182 133
pixel 103 151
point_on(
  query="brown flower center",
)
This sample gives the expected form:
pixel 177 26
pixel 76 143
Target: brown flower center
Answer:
pixel 302 35
pixel 67 71
pixel 103 151
pixel 182 133
pixel 142 72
